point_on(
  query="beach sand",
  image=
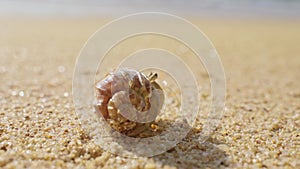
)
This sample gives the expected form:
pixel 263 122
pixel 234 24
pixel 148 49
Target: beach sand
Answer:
pixel 260 127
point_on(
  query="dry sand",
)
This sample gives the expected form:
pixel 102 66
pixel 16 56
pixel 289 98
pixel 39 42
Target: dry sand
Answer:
pixel 260 128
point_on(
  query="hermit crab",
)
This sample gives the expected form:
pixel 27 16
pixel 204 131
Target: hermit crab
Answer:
pixel 129 100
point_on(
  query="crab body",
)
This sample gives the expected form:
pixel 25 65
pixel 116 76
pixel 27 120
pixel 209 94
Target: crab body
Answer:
pixel 129 100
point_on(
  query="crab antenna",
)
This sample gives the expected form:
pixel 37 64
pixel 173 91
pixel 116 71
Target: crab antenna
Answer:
pixel 152 76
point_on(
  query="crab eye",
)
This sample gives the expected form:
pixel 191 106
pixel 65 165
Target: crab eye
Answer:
pixel 126 100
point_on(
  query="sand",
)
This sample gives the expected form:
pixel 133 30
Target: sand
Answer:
pixel 39 127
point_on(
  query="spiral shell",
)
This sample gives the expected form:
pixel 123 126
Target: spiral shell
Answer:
pixel 129 100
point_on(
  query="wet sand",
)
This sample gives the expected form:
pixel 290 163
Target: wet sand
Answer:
pixel 260 128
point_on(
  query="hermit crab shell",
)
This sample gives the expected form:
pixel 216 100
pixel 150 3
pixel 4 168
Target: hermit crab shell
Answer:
pixel 129 100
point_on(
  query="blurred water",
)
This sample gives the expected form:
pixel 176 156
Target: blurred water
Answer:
pixel 201 8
